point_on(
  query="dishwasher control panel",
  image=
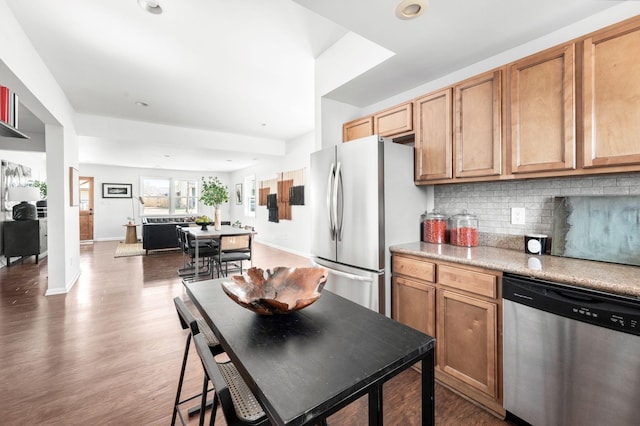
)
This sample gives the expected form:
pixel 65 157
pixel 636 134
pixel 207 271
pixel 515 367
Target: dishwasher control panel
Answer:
pixel 601 309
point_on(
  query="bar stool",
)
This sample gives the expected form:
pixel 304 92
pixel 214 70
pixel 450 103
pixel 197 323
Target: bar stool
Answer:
pixel 239 405
pixel 199 327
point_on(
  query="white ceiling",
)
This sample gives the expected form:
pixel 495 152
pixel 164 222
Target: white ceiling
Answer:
pixel 450 35
pixel 245 69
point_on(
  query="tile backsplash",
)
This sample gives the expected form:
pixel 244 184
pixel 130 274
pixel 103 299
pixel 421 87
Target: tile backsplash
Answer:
pixel 492 201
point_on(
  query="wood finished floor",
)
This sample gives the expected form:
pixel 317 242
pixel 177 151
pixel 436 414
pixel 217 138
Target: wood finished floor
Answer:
pixel 109 352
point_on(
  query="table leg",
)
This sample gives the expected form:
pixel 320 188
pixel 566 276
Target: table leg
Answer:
pixel 197 257
pixel 375 405
pixel 428 389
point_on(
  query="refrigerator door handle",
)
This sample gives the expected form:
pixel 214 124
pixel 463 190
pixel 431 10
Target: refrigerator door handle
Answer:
pixel 332 228
pixel 336 183
pixel 343 274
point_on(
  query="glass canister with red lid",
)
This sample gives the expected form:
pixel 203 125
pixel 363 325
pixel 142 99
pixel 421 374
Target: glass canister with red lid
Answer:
pixel 463 229
pixel 434 227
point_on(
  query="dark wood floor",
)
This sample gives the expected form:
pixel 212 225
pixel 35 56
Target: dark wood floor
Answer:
pixel 109 352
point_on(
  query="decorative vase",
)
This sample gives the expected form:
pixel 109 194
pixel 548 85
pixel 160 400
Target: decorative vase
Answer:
pixel 216 219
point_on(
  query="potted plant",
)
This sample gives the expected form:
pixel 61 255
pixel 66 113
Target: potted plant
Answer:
pixel 42 203
pixel 214 193
pixel 42 186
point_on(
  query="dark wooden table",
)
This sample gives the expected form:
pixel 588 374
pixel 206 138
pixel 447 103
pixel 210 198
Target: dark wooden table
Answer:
pixel 309 364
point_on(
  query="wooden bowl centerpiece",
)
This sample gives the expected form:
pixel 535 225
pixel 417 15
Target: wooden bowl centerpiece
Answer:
pixel 278 291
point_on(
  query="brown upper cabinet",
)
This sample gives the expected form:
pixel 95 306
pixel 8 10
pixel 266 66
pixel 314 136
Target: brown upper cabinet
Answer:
pixel 394 121
pixel 459 130
pixel 433 140
pixel 611 97
pixel 570 110
pixel 357 129
pixel 478 126
pixel 542 107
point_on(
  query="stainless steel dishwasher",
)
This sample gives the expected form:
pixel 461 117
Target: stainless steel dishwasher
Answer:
pixel 571 356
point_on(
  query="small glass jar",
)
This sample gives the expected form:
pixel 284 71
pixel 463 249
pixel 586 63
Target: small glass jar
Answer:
pixel 434 227
pixel 463 229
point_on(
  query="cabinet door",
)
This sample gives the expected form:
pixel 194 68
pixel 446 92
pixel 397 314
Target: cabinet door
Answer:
pixel 433 136
pixel 611 97
pixel 478 126
pixel 467 340
pixel 43 235
pixel 21 238
pixel 394 121
pixel 357 129
pixel 541 99
pixel 414 304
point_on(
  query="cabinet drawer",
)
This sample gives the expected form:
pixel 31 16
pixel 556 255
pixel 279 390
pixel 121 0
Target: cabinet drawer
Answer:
pixel 471 281
pixel 419 269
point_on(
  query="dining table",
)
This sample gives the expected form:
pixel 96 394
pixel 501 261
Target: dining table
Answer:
pixel 306 365
pixel 212 234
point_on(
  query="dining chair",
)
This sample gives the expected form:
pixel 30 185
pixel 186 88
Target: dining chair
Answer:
pixel 196 326
pixel 207 252
pixel 187 267
pixel 234 248
pixel 239 405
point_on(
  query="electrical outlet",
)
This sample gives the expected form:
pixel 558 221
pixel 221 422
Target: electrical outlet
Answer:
pixel 517 216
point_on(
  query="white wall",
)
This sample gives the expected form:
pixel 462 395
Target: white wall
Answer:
pixel 349 57
pixel 290 235
pixel 334 114
pixel 22 69
pixel 110 214
pixel 37 161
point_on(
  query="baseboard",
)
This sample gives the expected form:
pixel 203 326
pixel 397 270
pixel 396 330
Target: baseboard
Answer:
pixel 109 239
pixel 67 288
pixel 287 249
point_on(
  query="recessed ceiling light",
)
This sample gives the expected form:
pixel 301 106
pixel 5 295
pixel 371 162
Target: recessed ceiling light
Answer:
pixel 151 6
pixel 264 124
pixel 410 9
pixel 142 104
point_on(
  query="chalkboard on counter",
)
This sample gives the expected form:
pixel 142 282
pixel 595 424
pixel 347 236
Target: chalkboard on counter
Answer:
pixel 605 228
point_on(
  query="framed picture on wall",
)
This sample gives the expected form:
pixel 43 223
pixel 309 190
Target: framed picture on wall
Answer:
pixel 238 193
pixel 116 190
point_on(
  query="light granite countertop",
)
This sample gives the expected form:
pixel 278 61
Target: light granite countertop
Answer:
pixel 602 276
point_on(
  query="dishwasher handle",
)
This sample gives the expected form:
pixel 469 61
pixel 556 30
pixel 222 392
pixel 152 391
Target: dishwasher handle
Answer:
pixel 585 300
pixel 565 296
pixel 594 307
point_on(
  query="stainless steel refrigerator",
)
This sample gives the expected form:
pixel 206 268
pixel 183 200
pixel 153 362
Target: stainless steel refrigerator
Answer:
pixel 363 199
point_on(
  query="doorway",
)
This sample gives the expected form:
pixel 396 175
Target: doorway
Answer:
pixel 86 208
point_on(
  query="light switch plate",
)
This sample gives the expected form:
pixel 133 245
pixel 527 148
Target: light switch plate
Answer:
pixel 517 216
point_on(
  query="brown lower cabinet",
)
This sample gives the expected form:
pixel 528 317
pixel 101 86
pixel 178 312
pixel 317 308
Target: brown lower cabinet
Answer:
pixel 461 307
